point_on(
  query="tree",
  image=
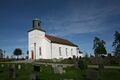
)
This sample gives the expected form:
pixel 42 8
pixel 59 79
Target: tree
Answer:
pixel 116 45
pixel 17 52
pixel 99 50
pixel 1 53
pixel 99 47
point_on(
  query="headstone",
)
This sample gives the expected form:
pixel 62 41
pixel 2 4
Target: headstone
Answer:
pixel 35 73
pixel 37 68
pixel 58 69
pixel 19 66
pixel 92 75
pixel 34 76
pixel 12 72
pixel 2 65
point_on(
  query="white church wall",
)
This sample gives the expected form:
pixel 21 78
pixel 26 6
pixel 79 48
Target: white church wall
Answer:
pixel 46 49
pixel 35 39
pixel 56 52
pixel 49 50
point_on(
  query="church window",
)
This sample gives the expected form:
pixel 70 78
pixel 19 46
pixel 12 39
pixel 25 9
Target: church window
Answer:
pixel 40 51
pixel 71 51
pixel 32 54
pixel 66 51
pixel 38 23
pixel 60 51
pixel 77 50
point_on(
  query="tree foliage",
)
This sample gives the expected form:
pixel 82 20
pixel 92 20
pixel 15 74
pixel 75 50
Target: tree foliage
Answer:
pixel 99 46
pixel 17 52
pixel 1 53
pixel 116 43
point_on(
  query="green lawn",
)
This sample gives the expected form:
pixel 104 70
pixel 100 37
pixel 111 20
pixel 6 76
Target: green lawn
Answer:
pixel 46 73
pixel 71 73
pixel 111 74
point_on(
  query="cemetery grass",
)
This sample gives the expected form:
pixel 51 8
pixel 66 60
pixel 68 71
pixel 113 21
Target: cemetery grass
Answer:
pixel 110 74
pixel 46 73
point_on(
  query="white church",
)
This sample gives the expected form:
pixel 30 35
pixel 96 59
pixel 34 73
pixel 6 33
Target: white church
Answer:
pixel 44 46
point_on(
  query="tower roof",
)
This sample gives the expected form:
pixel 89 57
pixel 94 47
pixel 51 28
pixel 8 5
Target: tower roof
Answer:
pixel 36 25
pixel 36 19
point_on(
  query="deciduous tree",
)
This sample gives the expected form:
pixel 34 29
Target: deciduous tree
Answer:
pixel 116 46
pixel 1 53
pixel 99 47
pixel 17 52
pixel 116 43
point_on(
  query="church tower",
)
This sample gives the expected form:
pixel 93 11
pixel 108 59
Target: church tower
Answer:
pixel 36 24
pixel 35 39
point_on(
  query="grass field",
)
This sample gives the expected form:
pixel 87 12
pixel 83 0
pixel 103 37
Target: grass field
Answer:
pixel 47 73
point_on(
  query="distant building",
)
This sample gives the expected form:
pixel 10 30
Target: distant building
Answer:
pixel 44 46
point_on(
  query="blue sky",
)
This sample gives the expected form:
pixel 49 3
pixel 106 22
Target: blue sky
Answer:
pixel 77 20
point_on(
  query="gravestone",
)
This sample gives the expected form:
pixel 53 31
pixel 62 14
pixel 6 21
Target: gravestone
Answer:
pixel 12 72
pixel 2 65
pixel 92 75
pixel 35 74
pixel 58 69
pixel 37 68
pixel 19 66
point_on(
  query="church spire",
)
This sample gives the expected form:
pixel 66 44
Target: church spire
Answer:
pixel 36 24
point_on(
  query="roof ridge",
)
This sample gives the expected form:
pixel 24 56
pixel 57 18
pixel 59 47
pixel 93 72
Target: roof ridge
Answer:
pixel 59 40
pixel 57 37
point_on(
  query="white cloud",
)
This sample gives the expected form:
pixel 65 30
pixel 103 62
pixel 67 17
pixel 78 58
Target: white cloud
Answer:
pixel 80 20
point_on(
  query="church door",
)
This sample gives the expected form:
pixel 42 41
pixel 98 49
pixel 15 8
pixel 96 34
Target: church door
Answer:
pixel 32 54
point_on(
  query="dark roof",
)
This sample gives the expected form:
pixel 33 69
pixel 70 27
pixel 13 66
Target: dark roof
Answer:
pixel 36 29
pixel 54 39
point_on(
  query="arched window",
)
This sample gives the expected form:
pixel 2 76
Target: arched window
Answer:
pixel 40 51
pixel 60 51
pixel 71 51
pixel 66 50
pixel 32 54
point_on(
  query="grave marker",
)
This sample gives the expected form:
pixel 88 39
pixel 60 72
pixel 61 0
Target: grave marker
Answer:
pixel 12 72
pixel 19 66
pixel 2 65
pixel 37 68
